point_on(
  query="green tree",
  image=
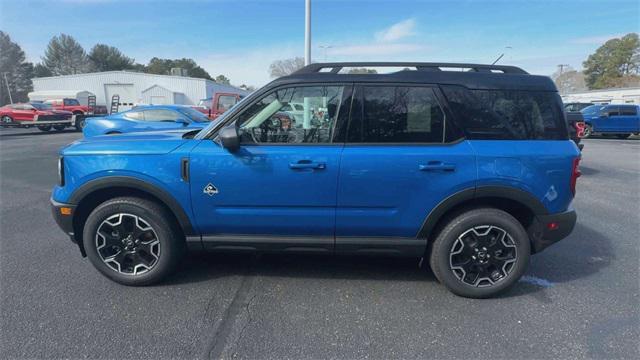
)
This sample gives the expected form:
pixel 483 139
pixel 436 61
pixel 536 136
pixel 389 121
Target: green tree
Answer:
pixel 614 64
pixel 107 58
pixel 39 70
pixel 17 70
pixel 164 66
pixel 285 67
pixel 221 79
pixel 65 56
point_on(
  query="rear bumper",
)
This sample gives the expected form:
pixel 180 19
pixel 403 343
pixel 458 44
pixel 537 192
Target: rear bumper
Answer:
pixel 547 230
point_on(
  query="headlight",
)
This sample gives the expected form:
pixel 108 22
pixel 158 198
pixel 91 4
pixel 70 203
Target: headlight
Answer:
pixel 61 171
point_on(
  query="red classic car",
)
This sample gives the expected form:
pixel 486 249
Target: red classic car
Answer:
pixel 34 114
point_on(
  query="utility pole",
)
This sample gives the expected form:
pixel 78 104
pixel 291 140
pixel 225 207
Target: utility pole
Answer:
pixel 307 32
pixel 8 89
pixel 562 67
pixel 559 80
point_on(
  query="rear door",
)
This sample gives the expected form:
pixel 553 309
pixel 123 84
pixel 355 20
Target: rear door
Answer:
pixel 282 182
pixel 629 121
pixel 398 163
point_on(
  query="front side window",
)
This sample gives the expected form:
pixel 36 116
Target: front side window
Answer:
pixel 270 119
pixel 397 114
pixel 507 114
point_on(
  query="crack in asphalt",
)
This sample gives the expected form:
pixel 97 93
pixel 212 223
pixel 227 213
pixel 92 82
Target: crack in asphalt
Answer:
pixel 240 302
pixel 246 325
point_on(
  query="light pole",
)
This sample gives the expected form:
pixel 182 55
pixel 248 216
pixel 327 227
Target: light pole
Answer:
pixel 325 47
pixel 8 89
pixel 307 32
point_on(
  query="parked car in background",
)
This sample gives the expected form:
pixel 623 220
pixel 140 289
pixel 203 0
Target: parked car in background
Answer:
pixel 40 115
pixel 218 104
pixel 575 120
pixel 433 163
pixel 620 120
pixel 146 118
pixel 576 106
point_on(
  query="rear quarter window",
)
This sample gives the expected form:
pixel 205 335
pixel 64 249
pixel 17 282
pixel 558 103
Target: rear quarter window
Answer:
pixel 507 114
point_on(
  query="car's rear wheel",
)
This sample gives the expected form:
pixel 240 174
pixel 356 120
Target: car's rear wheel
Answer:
pixel 44 127
pixel 133 241
pixel 480 253
pixel 6 119
pixel 59 127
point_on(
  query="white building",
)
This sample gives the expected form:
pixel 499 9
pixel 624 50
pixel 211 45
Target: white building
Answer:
pixel 133 88
pixel 607 96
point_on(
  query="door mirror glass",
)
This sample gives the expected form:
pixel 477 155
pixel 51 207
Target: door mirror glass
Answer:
pixel 229 138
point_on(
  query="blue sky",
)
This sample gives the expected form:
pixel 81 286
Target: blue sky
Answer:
pixel 241 38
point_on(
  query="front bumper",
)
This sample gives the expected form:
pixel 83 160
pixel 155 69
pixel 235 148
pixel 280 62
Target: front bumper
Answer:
pixel 65 222
pixel 547 230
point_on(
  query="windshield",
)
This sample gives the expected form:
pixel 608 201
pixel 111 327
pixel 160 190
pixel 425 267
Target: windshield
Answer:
pixel 41 106
pixel 593 109
pixel 194 115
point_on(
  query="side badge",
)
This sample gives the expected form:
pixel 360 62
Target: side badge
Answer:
pixel 210 189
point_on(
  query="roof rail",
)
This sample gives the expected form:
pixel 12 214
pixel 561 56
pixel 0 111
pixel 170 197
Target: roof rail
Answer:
pixel 420 66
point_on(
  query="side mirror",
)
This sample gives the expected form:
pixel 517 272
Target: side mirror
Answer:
pixel 229 138
pixel 182 121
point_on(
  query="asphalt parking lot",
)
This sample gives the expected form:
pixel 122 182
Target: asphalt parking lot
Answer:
pixel 580 298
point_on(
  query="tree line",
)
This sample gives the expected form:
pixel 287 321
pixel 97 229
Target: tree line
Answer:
pixel 65 56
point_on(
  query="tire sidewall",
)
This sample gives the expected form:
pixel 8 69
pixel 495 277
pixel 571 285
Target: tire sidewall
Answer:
pixel 465 222
pixel 163 231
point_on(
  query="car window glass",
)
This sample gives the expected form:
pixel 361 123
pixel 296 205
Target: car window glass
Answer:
pixel 507 114
pixel 71 102
pixel 266 121
pixel 398 114
pixel 134 115
pixel 628 110
pixel 613 110
pixel 225 102
pixel 160 115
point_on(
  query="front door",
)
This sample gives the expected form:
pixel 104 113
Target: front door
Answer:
pixel 397 165
pixel 282 182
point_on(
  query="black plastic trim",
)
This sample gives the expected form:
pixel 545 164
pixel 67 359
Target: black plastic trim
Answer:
pixel 130 182
pixel 504 192
pixel 542 237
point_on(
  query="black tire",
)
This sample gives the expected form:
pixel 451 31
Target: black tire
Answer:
pixel 168 239
pixel 59 127
pixel 6 119
pixel 588 131
pixel 80 122
pixel 623 136
pixel 44 128
pixel 469 223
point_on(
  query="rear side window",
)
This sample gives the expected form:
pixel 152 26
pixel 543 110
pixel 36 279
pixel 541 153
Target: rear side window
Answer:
pixel 612 110
pixel 397 114
pixel 507 114
pixel 225 102
pixel 628 110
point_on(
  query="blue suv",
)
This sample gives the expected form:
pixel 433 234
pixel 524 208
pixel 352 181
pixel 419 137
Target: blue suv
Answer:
pixel 471 170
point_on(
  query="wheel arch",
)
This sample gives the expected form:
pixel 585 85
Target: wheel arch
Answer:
pixel 519 203
pixel 93 193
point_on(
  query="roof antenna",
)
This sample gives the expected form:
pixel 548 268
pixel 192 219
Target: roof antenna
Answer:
pixel 498 59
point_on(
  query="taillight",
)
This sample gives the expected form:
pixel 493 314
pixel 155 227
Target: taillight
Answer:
pixel 575 174
pixel 580 129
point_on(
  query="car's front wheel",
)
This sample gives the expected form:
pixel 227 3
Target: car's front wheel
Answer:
pixel 133 241
pixel 59 127
pixel 44 128
pixel 588 131
pixel 480 253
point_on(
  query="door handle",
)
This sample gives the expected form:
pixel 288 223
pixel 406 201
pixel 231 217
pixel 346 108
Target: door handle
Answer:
pixel 307 164
pixel 437 166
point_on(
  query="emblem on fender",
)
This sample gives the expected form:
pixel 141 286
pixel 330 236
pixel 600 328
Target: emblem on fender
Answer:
pixel 210 189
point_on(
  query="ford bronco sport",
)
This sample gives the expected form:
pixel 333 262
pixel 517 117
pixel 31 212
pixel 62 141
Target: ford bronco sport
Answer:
pixel 468 166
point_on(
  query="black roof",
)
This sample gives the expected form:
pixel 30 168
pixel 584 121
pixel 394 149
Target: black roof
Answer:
pixel 472 76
